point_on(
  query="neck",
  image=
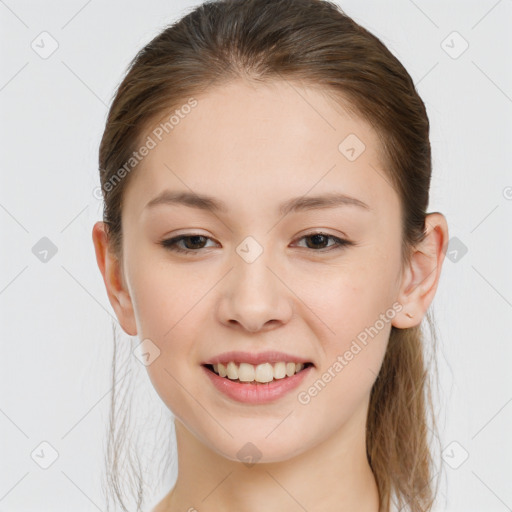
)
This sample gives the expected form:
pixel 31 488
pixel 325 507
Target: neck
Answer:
pixel 334 476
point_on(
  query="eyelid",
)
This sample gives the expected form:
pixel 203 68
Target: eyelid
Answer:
pixel 320 231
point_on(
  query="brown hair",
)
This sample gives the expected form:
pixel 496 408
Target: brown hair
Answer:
pixel 314 43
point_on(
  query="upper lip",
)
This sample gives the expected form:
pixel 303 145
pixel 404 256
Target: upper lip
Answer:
pixel 256 358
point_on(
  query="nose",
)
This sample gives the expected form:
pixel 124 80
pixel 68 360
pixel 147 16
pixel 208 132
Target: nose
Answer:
pixel 254 297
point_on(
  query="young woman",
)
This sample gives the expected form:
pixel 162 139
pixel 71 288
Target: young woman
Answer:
pixel 265 168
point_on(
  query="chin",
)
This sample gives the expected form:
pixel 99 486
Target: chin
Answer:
pixel 253 450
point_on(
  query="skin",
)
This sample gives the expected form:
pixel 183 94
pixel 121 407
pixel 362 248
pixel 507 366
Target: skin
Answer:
pixel 254 147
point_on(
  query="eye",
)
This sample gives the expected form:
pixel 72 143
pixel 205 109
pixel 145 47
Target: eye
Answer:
pixel 196 243
pixel 320 239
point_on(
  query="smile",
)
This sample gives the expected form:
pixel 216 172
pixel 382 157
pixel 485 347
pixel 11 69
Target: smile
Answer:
pixel 252 391
pixel 261 373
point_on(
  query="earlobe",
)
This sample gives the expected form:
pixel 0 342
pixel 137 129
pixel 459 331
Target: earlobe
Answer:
pixel 110 268
pixel 421 277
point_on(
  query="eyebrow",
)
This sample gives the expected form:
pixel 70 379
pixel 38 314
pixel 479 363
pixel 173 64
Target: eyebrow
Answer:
pixel 208 203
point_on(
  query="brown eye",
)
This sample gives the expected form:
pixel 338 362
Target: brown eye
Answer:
pixel 197 241
pixel 192 243
pixel 319 242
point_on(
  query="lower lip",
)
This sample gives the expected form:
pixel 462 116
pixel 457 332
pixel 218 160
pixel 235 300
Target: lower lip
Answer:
pixel 257 393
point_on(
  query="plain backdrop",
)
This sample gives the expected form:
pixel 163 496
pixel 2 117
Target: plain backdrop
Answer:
pixel 55 316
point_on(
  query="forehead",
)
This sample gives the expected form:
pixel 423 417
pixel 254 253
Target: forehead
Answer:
pixel 276 139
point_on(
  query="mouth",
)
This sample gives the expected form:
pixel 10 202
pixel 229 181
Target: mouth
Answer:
pixel 264 373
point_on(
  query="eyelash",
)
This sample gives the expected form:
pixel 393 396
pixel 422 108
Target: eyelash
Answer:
pixel 171 243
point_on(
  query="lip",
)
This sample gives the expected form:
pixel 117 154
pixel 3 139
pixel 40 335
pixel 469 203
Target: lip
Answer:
pixel 257 393
pixel 255 359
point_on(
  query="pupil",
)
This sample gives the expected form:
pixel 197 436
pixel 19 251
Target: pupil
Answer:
pixel 316 237
pixel 194 240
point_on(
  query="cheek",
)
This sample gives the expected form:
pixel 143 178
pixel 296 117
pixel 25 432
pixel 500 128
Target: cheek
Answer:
pixel 164 300
pixel 355 306
pixel 167 300
pixel 163 295
pixel 357 310
pixel 351 297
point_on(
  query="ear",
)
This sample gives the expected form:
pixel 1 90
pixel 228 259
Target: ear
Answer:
pixel 421 277
pixel 111 270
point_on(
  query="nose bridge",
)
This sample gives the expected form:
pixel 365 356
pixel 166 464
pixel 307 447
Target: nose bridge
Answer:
pixel 252 279
pixel 253 295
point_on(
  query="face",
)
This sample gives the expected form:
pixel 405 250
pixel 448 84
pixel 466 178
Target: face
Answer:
pixel 315 283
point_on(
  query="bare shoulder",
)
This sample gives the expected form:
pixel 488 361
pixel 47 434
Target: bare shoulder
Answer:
pixel 163 505
pixel 159 508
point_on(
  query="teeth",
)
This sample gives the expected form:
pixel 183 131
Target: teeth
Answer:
pixel 265 372
pixel 279 370
pixel 222 370
pixel 245 372
pixel 232 371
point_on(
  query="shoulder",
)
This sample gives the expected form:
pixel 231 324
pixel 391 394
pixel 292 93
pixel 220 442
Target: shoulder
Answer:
pixel 163 505
pixel 159 507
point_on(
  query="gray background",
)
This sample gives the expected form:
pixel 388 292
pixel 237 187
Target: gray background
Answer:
pixel 55 315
